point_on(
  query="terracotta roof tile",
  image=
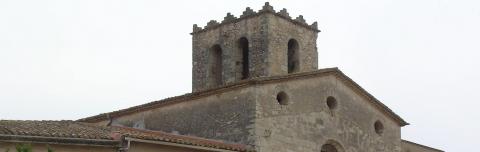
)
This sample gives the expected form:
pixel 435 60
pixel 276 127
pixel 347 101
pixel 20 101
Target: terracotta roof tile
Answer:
pixel 86 133
pixel 65 129
pixel 180 139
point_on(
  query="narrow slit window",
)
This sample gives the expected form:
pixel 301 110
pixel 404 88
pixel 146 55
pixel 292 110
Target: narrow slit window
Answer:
pixel 293 58
pixel 216 66
pixel 243 46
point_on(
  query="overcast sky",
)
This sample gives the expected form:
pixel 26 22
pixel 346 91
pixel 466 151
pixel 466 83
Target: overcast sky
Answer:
pixel 69 59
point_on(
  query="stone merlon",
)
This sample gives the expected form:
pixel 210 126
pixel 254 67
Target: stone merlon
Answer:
pixel 267 8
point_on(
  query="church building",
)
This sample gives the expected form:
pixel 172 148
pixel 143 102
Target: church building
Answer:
pixel 256 87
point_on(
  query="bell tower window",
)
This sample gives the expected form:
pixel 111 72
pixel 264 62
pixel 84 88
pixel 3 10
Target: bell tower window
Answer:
pixel 293 63
pixel 243 46
pixel 216 67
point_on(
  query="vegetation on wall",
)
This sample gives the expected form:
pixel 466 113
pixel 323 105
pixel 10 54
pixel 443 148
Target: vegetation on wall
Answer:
pixel 26 148
pixel 23 148
pixel 49 149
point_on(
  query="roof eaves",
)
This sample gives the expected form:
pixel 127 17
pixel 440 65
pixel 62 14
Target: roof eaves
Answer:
pixel 187 145
pixel 160 137
pixel 59 140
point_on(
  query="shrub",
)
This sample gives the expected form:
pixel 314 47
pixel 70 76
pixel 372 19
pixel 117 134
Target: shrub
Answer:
pixel 24 148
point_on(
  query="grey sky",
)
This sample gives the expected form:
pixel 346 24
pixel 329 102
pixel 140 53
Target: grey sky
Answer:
pixel 69 59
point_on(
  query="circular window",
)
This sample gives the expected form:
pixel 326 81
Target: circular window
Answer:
pixel 378 127
pixel 331 103
pixel 332 146
pixel 329 148
pixel 282 98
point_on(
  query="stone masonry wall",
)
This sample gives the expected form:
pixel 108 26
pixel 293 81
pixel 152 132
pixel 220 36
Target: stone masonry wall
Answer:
pixel 227 37
pixel 253 116
pixel 280 32
pixel 226 116
pixel 268 33
pixel 306 123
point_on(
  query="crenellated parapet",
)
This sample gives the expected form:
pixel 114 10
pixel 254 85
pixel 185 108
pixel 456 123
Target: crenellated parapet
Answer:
pixel 267 8
pixel 300 20
pixel 229 18
pixel 248 13
pixel 284 13
pixel 314 25
pixel 196 28
pixel 212 23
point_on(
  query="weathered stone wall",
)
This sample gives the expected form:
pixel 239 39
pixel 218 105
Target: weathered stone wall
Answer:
pixel 268 34
pixel 280 31
pixel 225 116
pixel 408 146
pixel 4 146
pixel 306 123
pixel 253 116
pixel 227 37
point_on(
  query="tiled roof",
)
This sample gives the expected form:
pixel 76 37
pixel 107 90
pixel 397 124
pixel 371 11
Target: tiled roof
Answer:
pixel 246 83
pixel 72 132
pixel 67 129
pixel 179 139
pixel 66 132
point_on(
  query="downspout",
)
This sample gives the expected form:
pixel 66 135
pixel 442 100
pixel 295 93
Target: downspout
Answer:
pixel 124 145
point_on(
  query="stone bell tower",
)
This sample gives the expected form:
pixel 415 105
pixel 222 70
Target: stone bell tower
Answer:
pixel 257 44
